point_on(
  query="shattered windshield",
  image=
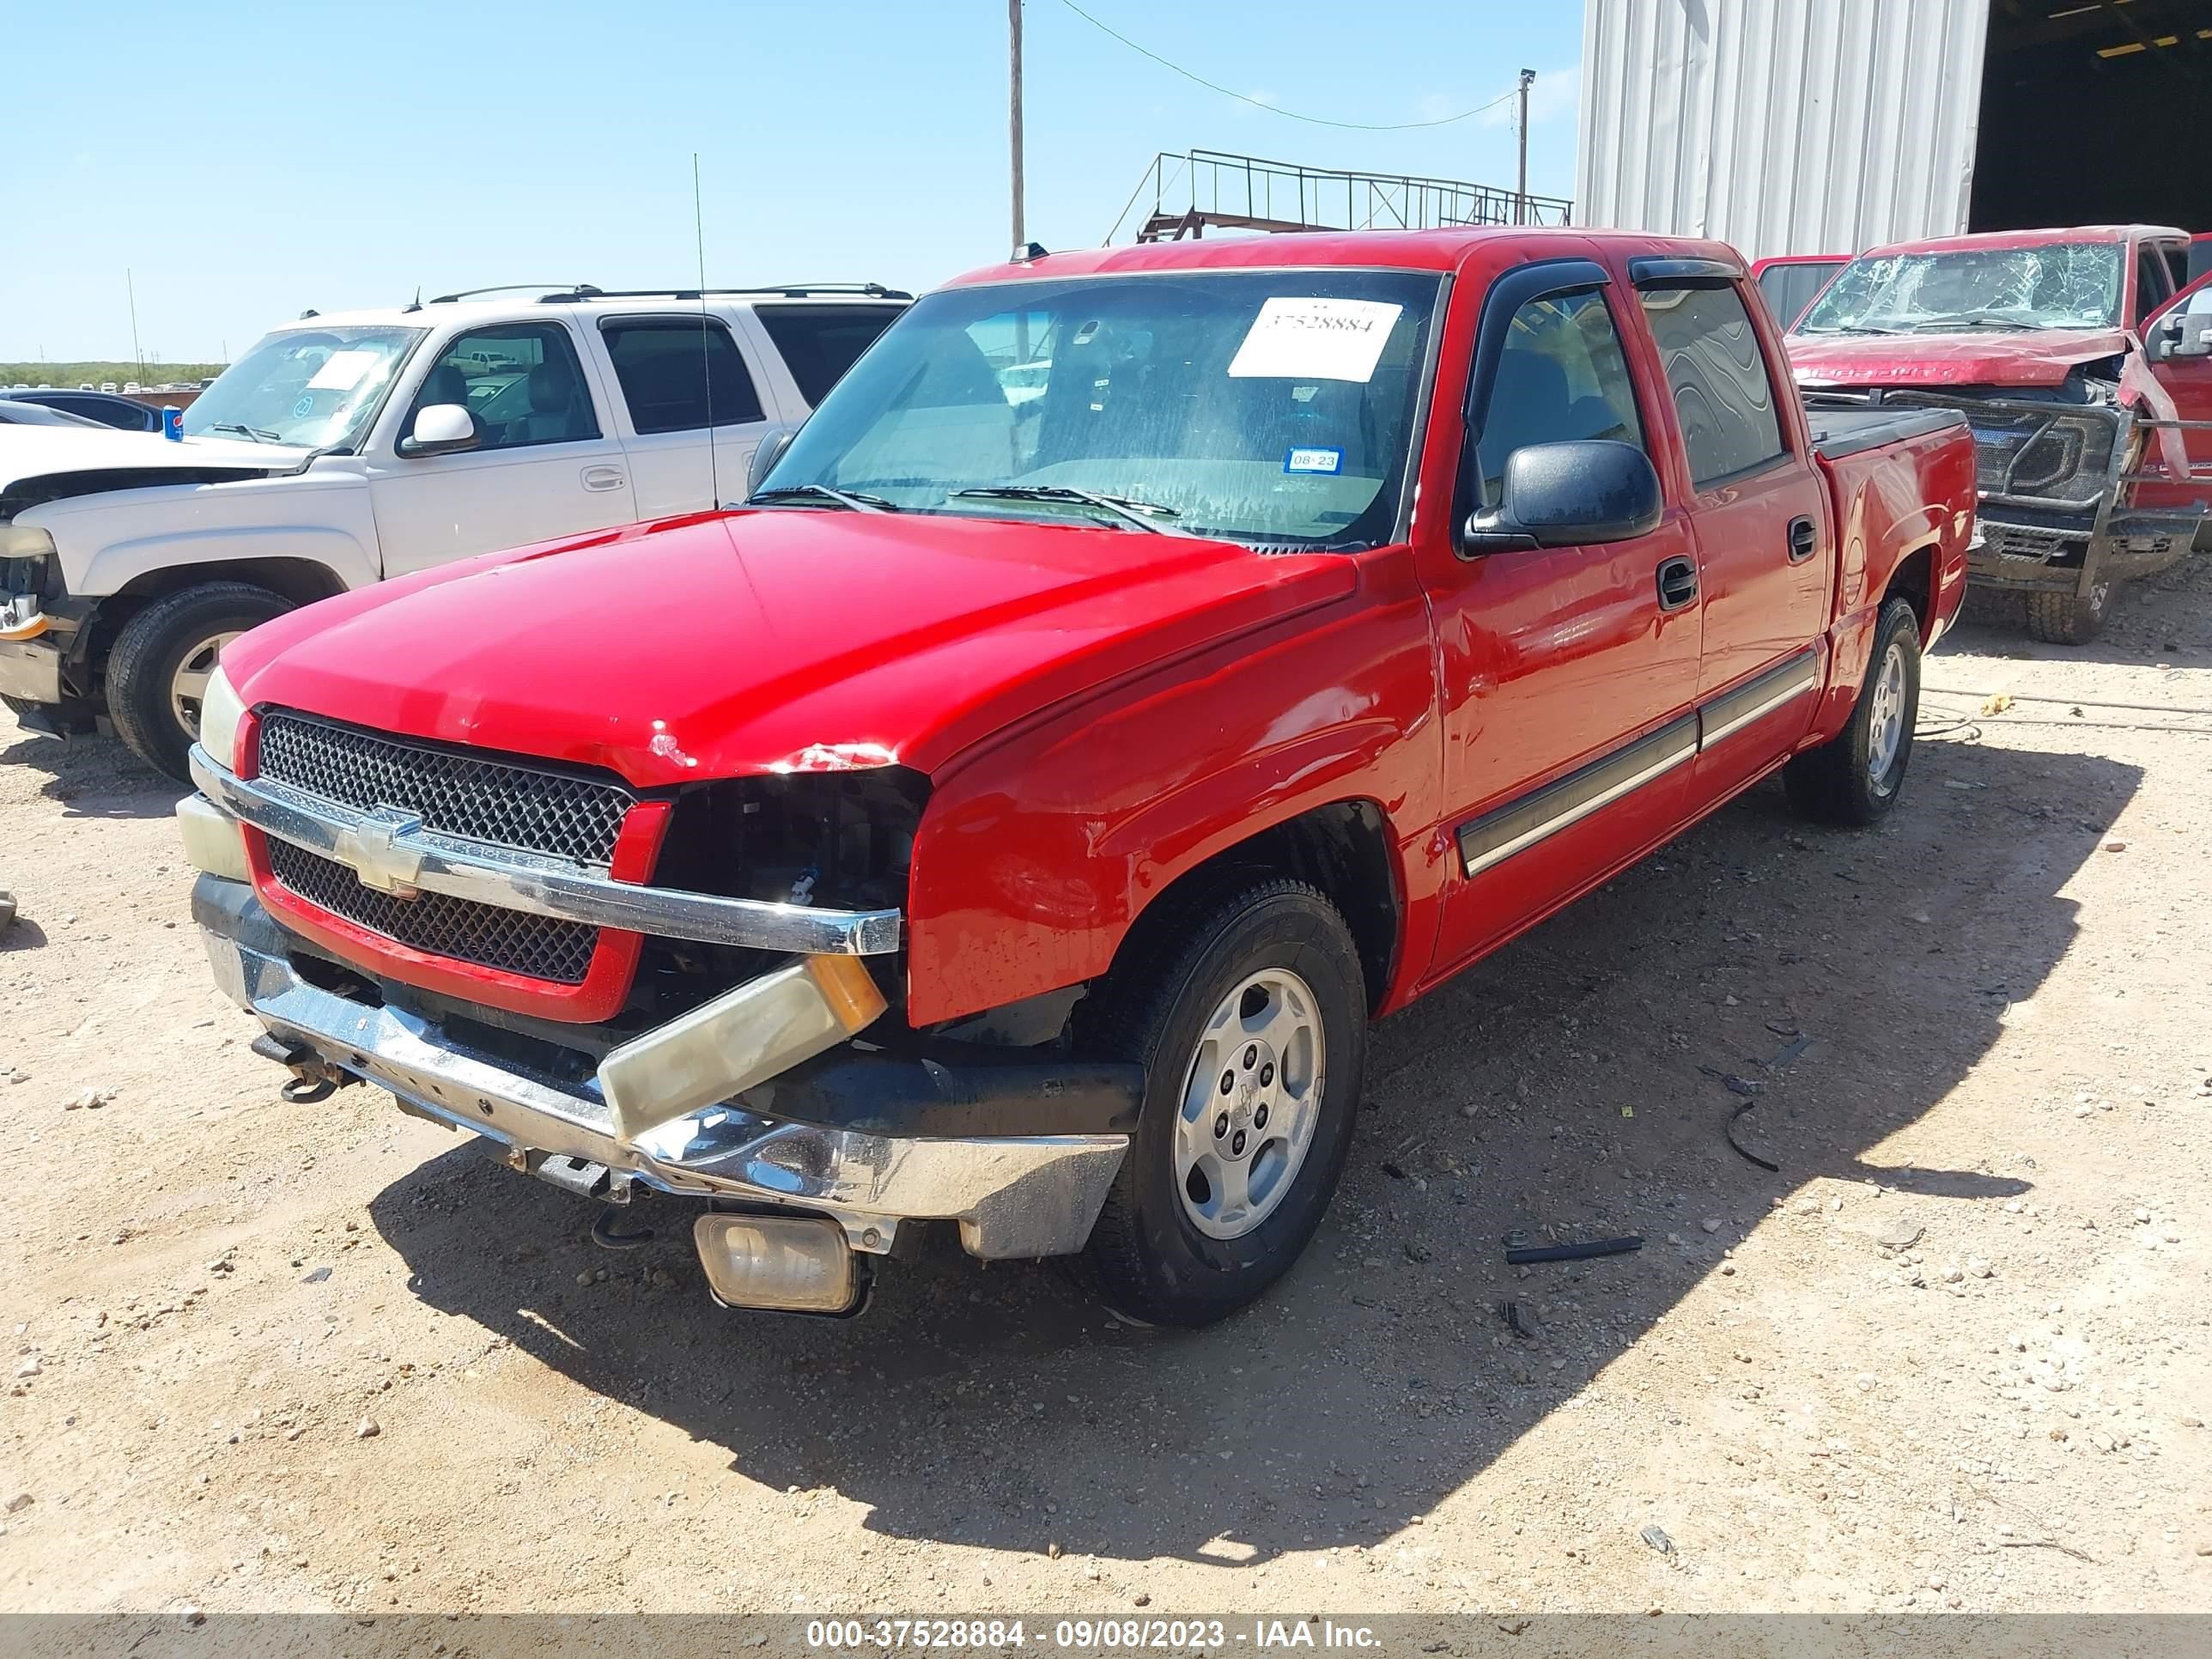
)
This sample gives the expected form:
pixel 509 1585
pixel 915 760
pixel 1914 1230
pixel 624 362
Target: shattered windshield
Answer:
pixel 2063 285
pixel 1272 406
pixel 316 386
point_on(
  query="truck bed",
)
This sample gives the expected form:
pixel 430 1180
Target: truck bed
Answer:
pixel 1840 432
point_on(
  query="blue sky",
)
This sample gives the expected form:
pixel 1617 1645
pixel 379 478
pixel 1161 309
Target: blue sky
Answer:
pixel 333 155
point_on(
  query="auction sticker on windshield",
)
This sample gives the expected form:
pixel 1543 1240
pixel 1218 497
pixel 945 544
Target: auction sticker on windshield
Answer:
pixel 1315 339
pixel 342 370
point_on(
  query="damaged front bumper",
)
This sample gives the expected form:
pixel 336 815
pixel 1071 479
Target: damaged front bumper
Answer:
pixel 1012 1195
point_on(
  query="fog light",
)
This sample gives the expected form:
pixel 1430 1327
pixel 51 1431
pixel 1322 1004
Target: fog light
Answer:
pixel 789 1264
pixel 213 841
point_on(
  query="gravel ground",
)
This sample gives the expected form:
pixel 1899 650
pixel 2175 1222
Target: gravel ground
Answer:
pixel 1953 1355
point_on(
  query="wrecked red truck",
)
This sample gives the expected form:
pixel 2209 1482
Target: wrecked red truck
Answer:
pixel 1148 667
pixel 2083 360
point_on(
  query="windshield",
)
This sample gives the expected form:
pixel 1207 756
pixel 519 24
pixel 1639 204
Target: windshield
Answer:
pixel 2063 285
pixel 315 387
pixel 1272 406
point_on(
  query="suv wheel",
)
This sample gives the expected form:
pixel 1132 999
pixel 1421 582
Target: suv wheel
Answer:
pixel 2066 619
pixel 160 667
pixel 1248 1011
pixel 1855 777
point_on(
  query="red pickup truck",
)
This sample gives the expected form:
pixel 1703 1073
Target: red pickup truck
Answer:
pixel 1148 667
pixel 2083 360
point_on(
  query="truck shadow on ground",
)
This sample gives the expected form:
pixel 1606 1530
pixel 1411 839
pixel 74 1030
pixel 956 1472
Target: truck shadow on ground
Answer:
pixel 1848 982
pixel 92 777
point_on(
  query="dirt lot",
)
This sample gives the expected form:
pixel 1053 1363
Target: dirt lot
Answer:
pixel 267 1356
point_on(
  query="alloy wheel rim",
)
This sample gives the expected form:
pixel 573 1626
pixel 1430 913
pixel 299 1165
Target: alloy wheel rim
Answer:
pixel 188 686
pixel 1251 1097
pixel 1886 723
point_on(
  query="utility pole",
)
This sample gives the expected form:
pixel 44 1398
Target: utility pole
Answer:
pixel 1520 192
pixel 1014 110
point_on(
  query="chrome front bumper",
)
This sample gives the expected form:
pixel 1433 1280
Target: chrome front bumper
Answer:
pixel 1013 1197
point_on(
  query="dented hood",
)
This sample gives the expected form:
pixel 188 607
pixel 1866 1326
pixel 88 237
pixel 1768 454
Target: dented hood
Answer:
pixel 780 639
pixel 42 452
pixel 1976 357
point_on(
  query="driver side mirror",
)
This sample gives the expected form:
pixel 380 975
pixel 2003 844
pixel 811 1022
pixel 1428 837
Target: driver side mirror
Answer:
pixel 1572 493
pixel 766 454
pixel 440 429
pixel 2184 331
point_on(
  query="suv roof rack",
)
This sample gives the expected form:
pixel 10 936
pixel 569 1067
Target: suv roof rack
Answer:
pixel 782 290
pixel 567 291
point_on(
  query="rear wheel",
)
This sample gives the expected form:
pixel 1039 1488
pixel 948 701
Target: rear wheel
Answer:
pixel 2067 618
pixel 163 659
pixel 1248 1011
pixel 1856 776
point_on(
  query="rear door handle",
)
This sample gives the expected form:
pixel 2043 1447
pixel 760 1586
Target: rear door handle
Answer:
pixel 603 477
pixel 1678 583
pixel 1804 540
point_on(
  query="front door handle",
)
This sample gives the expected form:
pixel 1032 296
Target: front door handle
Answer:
pixel 1678 583
pixel 1803 540
pixel 603 477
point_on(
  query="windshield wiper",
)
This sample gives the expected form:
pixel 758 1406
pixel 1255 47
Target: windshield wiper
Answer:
pixel 259 435
pixel 1979 319
pixel 850 500
pixel 1853 328
pixel 1145 515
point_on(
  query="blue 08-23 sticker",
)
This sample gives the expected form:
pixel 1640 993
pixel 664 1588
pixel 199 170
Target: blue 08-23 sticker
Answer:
pixel 1314 461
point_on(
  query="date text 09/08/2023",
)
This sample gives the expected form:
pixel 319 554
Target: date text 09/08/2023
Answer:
pixel 1083 1634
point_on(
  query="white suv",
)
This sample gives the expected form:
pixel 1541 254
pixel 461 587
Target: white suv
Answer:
pixel 343 449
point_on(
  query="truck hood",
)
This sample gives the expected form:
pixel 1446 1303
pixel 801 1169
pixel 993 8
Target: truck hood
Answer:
pixel 45 452
pixel 774 640
pixel 2032 357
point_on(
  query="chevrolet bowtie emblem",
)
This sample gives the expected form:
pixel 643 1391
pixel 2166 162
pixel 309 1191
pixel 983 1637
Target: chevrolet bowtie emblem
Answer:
pixel 371 849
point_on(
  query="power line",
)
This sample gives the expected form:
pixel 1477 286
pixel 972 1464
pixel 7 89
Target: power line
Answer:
pixel 1260 103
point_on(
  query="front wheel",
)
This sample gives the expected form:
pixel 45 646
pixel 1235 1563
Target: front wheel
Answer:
pixel 1248 1011
pixel 1855 777
pixel 163 659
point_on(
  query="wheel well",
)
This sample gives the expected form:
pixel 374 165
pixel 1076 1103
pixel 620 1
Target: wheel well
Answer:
pixel 1914 581
pixel 1342 848
pixel 302 582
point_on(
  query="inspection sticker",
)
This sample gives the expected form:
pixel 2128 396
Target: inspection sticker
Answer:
pixel 1314 461
pixel 1315 339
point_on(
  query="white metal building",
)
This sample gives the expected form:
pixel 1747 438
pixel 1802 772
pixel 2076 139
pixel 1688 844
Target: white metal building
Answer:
pixel 1827 126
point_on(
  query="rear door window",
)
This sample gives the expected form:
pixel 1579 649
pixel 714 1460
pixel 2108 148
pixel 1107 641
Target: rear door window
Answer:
pixel 820 342
pixel 680 373
pixel 1716 372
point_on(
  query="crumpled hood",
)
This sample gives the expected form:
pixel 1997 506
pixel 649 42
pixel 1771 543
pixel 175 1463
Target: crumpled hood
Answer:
pixel 38 452
pixel 778 639
pixel 1977 357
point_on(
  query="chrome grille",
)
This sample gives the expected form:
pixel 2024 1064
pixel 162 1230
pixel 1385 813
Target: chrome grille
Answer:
pixel 513 941
pixel 502 802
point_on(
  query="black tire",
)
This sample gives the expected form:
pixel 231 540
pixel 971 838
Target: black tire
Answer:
pixel 1839 782
pixel 2063 619
pixel 153 646
pixel 1146 1257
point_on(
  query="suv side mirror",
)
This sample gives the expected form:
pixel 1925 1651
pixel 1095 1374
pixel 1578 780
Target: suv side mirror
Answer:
pixel 440 429
pixel 766 454
pixel 1568 495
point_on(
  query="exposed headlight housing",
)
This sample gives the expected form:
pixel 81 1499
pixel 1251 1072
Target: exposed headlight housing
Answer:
pixel 23 541
pixel 220 714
